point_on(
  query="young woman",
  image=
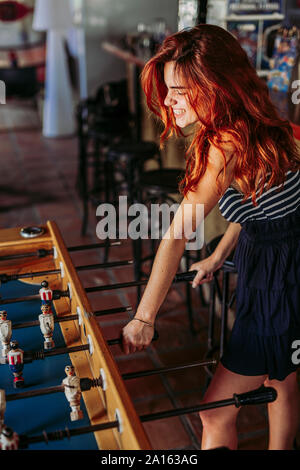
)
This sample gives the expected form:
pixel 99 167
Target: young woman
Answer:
pixel 244 157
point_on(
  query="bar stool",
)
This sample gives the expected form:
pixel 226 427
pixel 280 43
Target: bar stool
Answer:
pixel 157 187
pixel 126 160
pixel 226 303
pixel 96 129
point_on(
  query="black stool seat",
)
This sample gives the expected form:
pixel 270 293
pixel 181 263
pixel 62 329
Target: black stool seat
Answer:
pixel 129 150
pixel 105 130
pixel 165 180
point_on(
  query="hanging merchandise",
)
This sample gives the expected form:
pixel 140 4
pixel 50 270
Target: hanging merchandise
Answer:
pixel 188 12
pixel 283 59
pixel 247 7
pixel 249 21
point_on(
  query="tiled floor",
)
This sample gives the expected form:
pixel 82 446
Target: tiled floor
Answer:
pixel 38 183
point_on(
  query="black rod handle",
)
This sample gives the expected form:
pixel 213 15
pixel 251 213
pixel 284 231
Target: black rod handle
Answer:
pixel 187 276
pixel 255 397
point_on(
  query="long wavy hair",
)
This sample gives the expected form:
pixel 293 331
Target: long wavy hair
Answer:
pixel 229 99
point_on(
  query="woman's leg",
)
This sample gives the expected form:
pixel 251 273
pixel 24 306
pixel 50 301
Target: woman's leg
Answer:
pixel 219 424
pixel 283 413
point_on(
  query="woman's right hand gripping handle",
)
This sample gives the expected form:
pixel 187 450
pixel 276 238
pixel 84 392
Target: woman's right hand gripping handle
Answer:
pixel 137 335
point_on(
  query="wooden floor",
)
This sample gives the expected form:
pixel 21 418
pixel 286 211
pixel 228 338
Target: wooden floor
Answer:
pixel 38 183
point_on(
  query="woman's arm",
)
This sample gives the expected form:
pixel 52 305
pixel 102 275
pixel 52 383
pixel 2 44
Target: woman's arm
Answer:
pixel 136 334
pixel 212 263
pixel 227 243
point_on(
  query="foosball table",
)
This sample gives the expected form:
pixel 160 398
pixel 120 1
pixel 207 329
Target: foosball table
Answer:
pixel 60 387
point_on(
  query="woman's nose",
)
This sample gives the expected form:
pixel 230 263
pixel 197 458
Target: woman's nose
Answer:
pixel 169 100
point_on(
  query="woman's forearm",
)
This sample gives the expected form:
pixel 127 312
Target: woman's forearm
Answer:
pixel 163 271
pixel 227 243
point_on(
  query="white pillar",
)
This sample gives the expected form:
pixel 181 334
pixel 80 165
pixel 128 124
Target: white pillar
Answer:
pixel 58 105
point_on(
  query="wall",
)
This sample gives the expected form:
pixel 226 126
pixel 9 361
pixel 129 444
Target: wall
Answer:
pixel 112 19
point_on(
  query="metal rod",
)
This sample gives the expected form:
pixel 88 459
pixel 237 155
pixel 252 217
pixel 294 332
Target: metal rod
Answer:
pixel 34 393
pixel 57 294
pixel 41 253
pixel 181 277
pixel 30 356
pixel 93 246
pixel 164 370
pixel 121 285
pixel 65 433
pixel 85 385
pixel 98 313
pixel 18 326
pixel 132 375
pixel 110 311
pixel 254 397
pixel 112 264
pixel 14 277
pixel 58 351
pixel 187 410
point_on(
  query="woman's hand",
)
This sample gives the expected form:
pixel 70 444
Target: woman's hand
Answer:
pixel 206 269
pixel 136 336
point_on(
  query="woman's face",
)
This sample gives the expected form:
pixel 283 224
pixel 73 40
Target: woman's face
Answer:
pixel 177 97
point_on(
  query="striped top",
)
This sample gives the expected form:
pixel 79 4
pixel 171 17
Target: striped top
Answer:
pixel 271 204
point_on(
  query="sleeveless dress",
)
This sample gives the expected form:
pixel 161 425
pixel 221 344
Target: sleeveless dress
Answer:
pixel 267 259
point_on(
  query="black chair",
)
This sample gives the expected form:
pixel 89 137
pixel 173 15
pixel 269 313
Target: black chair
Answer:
pixel 160 187
pixel 20 82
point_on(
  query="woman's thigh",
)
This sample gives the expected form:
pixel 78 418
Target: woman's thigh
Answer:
pixel 287 389
pixel 223 385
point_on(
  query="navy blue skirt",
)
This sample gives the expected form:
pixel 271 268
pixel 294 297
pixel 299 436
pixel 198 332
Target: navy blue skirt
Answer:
pixel 267 325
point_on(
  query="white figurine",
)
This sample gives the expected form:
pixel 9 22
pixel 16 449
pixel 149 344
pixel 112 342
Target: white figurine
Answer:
pixel 2 408
pixel 9 440
pixel 5 332
pixel 73 392
pixel 46 320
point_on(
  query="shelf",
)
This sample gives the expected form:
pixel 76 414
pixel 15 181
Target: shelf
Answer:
pixel 274 17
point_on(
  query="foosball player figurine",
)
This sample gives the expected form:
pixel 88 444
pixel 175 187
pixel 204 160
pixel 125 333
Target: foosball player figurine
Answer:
pixel 46 320
pixel 9 440
pixel 46 293
pixel 15 359
pixel 2 408
pixel 73 392
pixel 5 332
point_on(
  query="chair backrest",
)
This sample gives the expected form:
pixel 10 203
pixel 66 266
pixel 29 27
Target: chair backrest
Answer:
pixel 112 98
pixel 20 82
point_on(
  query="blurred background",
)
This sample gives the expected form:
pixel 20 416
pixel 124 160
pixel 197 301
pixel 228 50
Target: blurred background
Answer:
pixel 75 132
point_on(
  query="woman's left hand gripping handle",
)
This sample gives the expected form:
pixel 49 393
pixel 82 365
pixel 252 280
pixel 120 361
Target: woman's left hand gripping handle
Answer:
pixel 137 335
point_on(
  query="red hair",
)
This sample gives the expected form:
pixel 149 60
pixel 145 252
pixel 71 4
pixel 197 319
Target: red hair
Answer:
pixel 230 100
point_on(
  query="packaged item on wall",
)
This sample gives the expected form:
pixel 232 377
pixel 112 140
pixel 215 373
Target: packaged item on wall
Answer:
pixel 253 7
pixel 283 60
